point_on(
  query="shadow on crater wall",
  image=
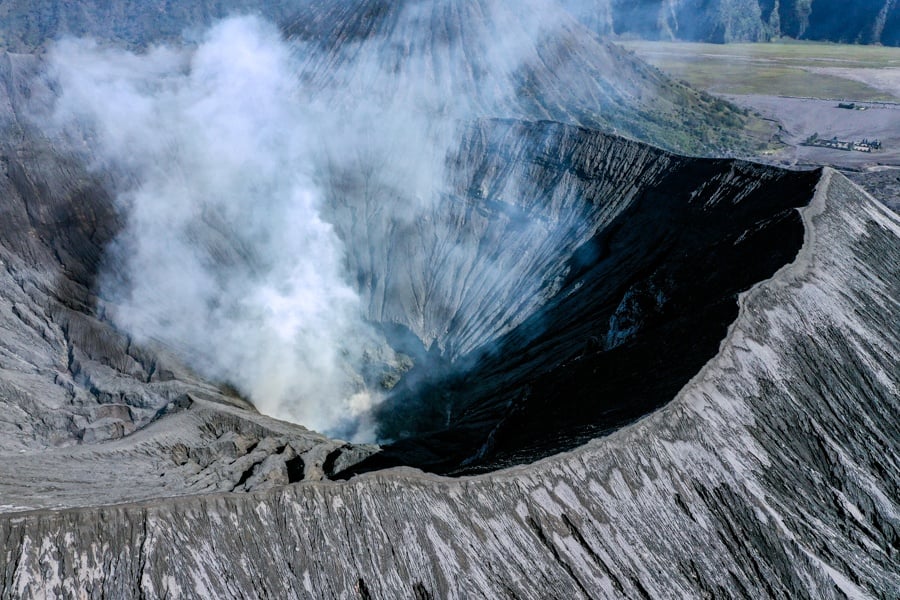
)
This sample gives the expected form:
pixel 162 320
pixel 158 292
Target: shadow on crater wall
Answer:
pixel 642 304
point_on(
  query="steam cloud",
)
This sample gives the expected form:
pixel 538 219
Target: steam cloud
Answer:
pixel 226 256
pixel 231 172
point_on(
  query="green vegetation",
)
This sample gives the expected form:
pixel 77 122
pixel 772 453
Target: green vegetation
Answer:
pixel 678 117
pixel 773 68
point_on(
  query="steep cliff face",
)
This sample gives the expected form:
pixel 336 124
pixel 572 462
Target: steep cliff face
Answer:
pixel 722 21
pixel 772 474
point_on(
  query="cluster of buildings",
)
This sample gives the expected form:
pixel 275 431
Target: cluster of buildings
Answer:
pixel 865 145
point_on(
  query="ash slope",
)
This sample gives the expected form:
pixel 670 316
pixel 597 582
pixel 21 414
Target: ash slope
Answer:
pixel 772 474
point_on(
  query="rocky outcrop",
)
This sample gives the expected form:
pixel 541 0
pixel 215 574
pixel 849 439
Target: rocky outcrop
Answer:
pixel 772 474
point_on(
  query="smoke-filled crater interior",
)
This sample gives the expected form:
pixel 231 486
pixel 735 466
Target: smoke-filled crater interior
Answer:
pixel 470 292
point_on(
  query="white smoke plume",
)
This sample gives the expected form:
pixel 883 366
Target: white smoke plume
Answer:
pixel 236 153
pixel 226 255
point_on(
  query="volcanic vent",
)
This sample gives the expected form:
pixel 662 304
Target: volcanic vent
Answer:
pixel 567 283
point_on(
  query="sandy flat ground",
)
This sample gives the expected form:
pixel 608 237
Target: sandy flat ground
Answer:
pixel 885 79
pixel 802 117
pixel 768 78
pixel 878 173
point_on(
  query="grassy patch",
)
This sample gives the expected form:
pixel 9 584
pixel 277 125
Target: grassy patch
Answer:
pixel 774 68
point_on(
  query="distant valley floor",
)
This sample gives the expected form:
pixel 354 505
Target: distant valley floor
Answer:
pixel 846 93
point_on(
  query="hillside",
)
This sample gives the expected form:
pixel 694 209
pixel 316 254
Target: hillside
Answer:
pixel 861 22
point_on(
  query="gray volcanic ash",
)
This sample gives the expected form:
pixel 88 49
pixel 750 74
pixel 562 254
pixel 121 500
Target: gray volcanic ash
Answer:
pixel 414 220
